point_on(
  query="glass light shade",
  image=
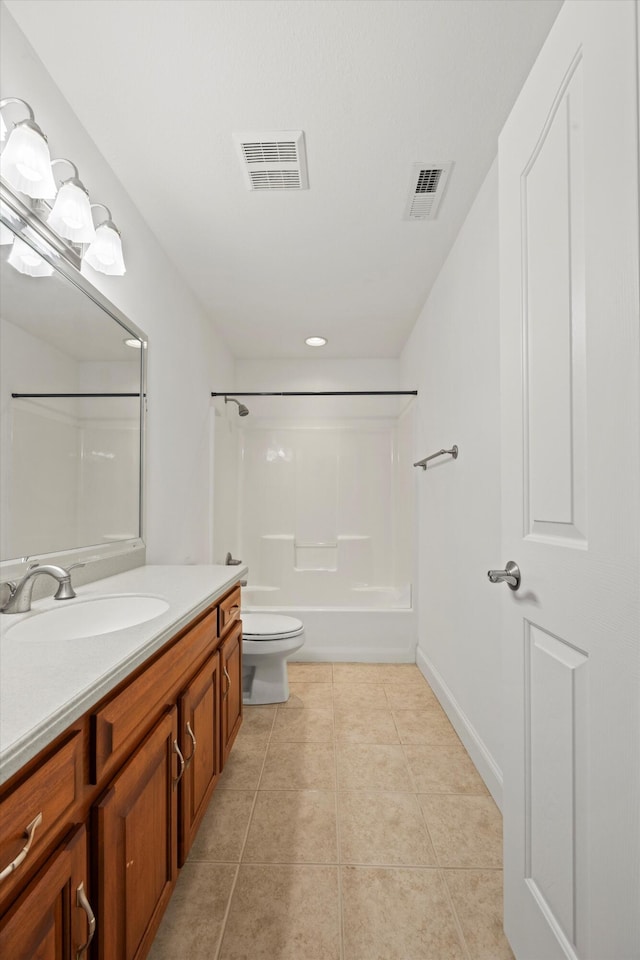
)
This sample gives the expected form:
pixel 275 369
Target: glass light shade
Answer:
pixel 3 129
pixel 25 260
pixel 6 235
pixel 105 253
pixel 71 213
pixel 25 162
pixel 316 341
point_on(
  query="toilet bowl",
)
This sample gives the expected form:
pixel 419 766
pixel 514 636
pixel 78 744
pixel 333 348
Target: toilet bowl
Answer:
pixel 267 640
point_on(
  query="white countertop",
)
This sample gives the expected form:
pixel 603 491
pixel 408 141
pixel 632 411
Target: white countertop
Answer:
pixel 45 685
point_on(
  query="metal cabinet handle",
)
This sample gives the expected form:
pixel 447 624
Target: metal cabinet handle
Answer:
pixel 83 903
pixel 178 752
pixel 228 678
pixel 29 833
pixel 510 575
pixel 194 745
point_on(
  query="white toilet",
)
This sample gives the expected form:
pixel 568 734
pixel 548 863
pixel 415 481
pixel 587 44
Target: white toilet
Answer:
pixel 267 640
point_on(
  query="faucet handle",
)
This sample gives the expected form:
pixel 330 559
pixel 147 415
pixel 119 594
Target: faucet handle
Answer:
pixel 74 565
pixel 9 585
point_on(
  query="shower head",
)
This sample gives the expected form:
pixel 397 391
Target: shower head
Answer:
pixel 242 410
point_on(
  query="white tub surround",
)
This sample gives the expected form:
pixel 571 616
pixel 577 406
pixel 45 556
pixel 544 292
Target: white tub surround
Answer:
pixel 353 635
pixel 45 685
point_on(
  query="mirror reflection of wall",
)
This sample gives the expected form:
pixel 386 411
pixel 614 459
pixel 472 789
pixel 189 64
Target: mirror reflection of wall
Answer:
pixel 69 465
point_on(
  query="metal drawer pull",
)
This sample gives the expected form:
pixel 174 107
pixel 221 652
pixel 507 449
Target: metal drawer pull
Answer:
pixel 29 833
pixel 194 742
pixel 226 693
pixel 81 901
pixel 234 609
pixel 177 750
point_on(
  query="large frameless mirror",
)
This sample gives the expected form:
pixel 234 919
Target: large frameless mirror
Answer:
pixel 72 382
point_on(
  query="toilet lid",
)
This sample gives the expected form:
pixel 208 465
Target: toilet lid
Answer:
pixel 265 625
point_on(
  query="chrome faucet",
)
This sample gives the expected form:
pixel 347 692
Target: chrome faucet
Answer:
pixel 20 593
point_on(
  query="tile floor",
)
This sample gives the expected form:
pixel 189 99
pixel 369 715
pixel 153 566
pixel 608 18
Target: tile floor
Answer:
pixel 349 824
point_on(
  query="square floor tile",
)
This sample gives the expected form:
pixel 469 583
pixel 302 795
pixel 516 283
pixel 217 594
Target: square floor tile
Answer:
pixel 362 725
pixel 283 912
pixel 257 722
pixel 369 696
pixel 410 696
pixel 224 826
pixel 311 724
pixel 242 769
pixel 427 725
pixel 402 673
pixel 383 828
pixel 310 672
pixel 192 924
pixel 367 766
pixel 477 898
pixel 299 766
pixel 466 831
pixel 293 826
pixel 397 914
pixel 443 769
pixel 359 672
pixel 308 694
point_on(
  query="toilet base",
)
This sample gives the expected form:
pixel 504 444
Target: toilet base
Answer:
pixel 265 683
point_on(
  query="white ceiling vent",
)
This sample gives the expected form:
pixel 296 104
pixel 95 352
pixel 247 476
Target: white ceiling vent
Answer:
pixel 426 189
pixel 273 161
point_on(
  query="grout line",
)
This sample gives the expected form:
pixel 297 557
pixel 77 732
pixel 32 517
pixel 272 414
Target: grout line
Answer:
pixel 223 925
pixel 454 913
pixel 242 848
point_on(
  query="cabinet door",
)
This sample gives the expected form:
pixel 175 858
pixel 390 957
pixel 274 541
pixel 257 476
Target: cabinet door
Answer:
pixel 200 735
pixel 52 919
pixel 136 852
pixel 231 660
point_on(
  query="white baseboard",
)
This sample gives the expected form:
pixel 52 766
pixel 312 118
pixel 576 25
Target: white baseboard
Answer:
pixel 475 746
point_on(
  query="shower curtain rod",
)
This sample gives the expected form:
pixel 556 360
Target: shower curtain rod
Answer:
pixel 319 393
pixel 28 396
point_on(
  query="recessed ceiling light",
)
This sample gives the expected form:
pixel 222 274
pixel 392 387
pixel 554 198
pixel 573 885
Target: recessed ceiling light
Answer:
pixel 316 341
pixel 132 342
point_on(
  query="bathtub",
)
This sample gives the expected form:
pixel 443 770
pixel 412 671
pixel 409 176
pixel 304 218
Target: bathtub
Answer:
pixel 369 624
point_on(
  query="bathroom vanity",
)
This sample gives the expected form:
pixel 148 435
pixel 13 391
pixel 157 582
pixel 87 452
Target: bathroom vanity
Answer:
pixel 110 749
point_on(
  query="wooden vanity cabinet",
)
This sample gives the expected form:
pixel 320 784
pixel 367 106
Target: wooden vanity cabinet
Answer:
pixel 122 794
pixel 231 661
pixel 136 845
pixel 201 745
pixel 52 920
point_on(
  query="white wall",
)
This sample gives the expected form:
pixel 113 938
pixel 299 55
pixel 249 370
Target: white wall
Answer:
pixel 453 358
pixel 186 357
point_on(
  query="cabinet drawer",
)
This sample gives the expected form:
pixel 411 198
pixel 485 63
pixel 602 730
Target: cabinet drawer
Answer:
pixel 51 794
pixel 124 719
pixel 229 608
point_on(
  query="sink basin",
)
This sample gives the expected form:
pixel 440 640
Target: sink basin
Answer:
pixel 73 620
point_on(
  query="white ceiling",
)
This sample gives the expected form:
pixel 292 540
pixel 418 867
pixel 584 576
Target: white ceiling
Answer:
pixel 375 84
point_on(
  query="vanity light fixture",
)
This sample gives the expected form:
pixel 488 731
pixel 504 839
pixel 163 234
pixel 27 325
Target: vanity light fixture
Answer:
pixel 105 252
pixel 71 216
pixel 25 260
pixel 316 341
pixel 132 342
pixel 25 162
pixel 26 167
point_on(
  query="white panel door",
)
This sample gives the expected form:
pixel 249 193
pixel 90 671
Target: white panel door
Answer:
pixel 571 490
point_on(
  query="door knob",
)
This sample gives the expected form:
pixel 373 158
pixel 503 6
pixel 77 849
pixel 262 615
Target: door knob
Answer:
pixel 510 575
